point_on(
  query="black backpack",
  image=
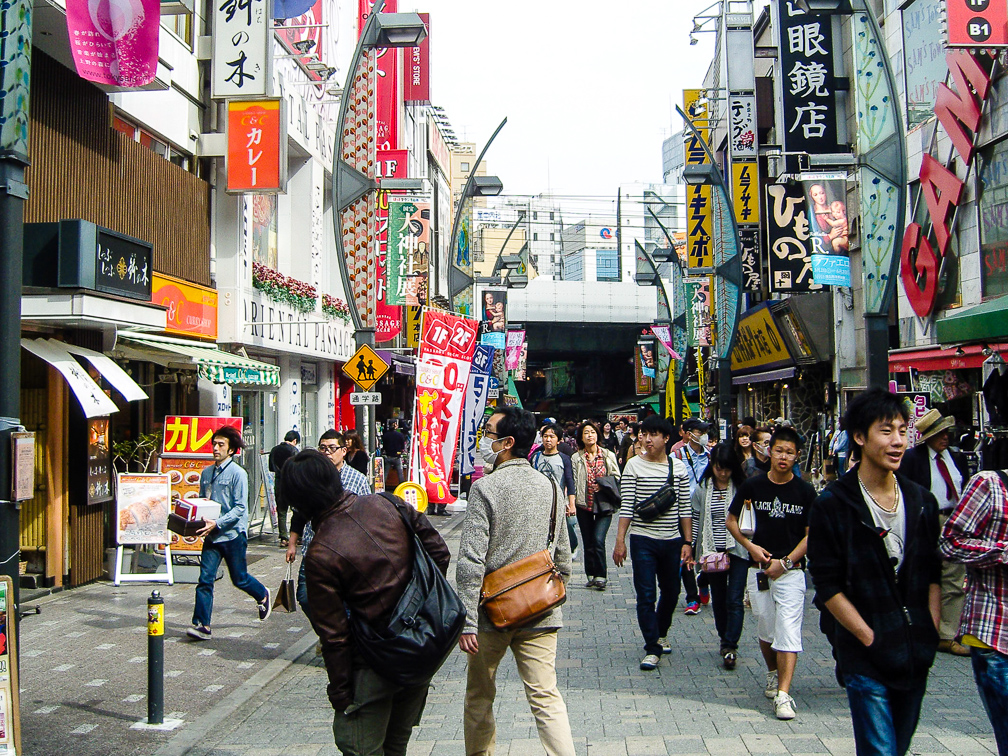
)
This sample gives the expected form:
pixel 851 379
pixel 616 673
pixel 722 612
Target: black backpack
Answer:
pixel 423 628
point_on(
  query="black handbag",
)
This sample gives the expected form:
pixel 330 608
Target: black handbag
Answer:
pixel 660 502
pixel 423 628
pixel 607 498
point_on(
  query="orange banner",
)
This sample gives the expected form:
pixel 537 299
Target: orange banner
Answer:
pixel 192 309
pixel 255 137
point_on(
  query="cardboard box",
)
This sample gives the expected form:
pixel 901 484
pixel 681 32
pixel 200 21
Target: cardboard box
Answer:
pixel 197 509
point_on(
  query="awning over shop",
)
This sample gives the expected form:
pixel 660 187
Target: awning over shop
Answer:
pixel 114 374
pixel 93 400
pixel 980 323
pixel 937 358
pixel 764 377
pixel 212 364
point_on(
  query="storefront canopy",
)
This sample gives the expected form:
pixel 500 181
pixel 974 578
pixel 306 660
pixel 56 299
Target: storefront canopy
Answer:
pixel 211 363
pixel 938 358
pixel 980 323
pixel 93 400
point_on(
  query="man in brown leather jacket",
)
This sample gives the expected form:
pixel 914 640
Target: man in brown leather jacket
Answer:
pixel 359 561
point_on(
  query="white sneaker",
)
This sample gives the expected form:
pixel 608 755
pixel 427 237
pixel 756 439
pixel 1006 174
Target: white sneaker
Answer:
pixel 666 647
pixel 649 662
pixel 770 691
pixel 783 706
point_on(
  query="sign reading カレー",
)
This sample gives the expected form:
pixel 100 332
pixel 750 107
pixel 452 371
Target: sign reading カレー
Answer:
pixel 256 139
pixel 191 309
pixel 759 343
pixel 189 436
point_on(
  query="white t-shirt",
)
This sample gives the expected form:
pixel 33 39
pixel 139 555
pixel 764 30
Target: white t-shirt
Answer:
pixel 892 522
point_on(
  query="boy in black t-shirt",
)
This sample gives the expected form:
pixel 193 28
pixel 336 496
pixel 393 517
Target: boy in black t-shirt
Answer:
pixel 781 504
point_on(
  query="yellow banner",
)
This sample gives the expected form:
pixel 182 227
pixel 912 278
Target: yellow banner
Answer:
pixel 413 314
pixel 745 193
pixel 759 342
pixel 699 246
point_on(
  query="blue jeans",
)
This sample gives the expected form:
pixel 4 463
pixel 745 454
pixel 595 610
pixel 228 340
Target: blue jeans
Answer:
pixel 594 528
pixel 884 719
pixel 990 670
pixel 727 592
pixel 655 559
pixel 233 554
pixel 302 591
pixel 572 529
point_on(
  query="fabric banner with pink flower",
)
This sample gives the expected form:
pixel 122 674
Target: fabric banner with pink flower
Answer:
pixel 115 42
pixel 664 335
pixel 513 349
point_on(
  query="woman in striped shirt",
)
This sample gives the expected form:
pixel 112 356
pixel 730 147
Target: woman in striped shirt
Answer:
pixel 710 502
pixel 659 547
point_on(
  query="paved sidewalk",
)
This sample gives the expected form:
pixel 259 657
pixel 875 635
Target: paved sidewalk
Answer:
pixel 689 705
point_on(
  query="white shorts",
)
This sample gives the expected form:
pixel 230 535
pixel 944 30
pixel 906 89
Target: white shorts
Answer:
pixel 779 611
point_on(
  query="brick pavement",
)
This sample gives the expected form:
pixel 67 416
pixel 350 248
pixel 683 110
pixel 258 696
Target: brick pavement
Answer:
pixel 689 705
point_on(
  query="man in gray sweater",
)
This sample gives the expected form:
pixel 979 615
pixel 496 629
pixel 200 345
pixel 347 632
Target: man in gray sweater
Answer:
pixel 507 519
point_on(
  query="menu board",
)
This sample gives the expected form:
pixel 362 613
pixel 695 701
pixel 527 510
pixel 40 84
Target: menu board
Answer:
pixel 183 477
pixel 99 464
pixel 10 717
pixel 142 508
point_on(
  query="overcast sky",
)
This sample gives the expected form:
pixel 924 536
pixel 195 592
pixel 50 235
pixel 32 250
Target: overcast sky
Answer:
pixel 588 87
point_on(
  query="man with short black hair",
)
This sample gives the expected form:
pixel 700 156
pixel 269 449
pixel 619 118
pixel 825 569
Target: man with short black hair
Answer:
pixel 759 462
pixel 225 538
pixel 277 456
pixel 780 503
pixel 873 559
pixel 518 501
pixel 657 548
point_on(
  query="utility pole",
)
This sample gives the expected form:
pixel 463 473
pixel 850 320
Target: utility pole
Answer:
pixel 15 54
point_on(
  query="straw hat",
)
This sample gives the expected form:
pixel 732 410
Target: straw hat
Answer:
pixel 932 423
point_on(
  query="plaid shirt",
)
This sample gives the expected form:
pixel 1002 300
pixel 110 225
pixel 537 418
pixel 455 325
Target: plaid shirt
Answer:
pixel 976 535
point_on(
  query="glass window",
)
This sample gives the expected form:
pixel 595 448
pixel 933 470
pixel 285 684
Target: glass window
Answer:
pixel 923 58
pixel 464 167
pixel 993 201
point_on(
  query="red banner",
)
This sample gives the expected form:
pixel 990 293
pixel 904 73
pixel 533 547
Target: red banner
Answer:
pixel 189 436
pixel 446 350
pixel 254 138
pixel 388 318
pixel 416 87
pixel 387 90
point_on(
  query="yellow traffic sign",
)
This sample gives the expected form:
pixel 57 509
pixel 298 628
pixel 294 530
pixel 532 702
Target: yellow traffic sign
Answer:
pixel 365 368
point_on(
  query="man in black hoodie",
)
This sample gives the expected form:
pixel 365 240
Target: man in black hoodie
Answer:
pixel 872 555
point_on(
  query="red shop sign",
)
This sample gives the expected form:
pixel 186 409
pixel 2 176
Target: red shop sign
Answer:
pixel 256 151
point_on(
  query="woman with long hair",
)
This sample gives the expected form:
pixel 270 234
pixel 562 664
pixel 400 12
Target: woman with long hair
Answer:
pixel 356 455
pixel 592 462
pixel 608 439
pixel 711 499
pixel 743 443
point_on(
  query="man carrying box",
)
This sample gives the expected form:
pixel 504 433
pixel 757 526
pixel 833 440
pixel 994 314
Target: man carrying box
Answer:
pixel 226 483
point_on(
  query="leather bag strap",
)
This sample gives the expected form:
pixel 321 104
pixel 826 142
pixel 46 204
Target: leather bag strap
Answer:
pixel 553 513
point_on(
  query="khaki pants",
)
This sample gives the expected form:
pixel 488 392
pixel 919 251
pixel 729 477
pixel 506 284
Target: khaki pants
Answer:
pixel 953 575
pixel 535 655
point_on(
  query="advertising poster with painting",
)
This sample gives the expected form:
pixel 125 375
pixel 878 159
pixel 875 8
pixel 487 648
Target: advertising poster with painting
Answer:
pixel 828 231
pixel 183 476
pixel 142 509
pixel 447 345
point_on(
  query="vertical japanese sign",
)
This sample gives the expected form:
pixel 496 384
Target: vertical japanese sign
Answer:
pixel 409 249
pixel 115 42
pixel 749 251
pixel 447 345
pixel 698 308
pixel 386 91
pixel 514 342
pixel 742 125
pixel 413 317
pixel 788 237
pixel 416 86
pixel 977 23
pixel 388 315
pixel 699 246
pixel 257 141
pixel 240 63
pixel 477 393
pixel 745 193
pixel 806 54
pixel 827 212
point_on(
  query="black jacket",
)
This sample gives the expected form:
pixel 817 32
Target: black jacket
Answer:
pixel 916 465
pixel 846 554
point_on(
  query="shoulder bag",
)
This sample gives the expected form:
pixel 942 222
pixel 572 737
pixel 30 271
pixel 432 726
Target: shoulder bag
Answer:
pixel 424 626
pixel 521 592
pixel 661 501
pixel 747 519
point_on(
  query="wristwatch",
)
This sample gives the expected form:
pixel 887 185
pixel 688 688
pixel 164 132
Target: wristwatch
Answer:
pixel 787 564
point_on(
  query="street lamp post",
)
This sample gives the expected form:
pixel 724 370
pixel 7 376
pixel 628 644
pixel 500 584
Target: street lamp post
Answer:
pixel 664 301
pixel 352 185
pixel 475 186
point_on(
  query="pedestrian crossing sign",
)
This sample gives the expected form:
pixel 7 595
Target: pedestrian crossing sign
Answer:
pixel 365 368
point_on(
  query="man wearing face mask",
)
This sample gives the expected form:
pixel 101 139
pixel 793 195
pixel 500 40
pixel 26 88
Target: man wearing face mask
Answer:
pixel 759 462
pixel 518 500
pixel 696 456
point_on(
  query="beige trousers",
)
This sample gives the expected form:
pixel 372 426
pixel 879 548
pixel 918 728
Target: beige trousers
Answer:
pixel 953 576
pixel 535 654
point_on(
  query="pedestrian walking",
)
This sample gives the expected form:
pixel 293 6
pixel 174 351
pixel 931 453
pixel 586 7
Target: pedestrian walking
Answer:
pixel 658 547
pixel 594 515
pixel 943 472
pixel 727 575
pixel 359 562
pixel 393 446
pixel 277 456
pixel 356 455
pixel 608 440
pixel 975 535
pixel 695 454
pixel 507 520
pixel 225 538
pixel 556 465
pixel 873 560
pixel 759 462
pixel 780 504
pixel 332 444
pixel 743 444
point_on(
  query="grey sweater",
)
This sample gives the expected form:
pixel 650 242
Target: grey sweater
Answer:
pixel 507 519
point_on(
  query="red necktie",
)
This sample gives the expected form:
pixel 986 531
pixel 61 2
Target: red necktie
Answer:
pixel 950 491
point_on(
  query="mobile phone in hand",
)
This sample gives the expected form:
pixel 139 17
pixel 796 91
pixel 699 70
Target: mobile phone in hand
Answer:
pixel 762 581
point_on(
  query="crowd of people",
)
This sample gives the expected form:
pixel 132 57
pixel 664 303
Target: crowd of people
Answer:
pixel 726 522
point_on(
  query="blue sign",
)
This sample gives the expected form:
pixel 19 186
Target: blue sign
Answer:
pixel 831 270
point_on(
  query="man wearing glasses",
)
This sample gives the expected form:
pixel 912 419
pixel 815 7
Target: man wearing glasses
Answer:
pixel 781 503
pixel 333 445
